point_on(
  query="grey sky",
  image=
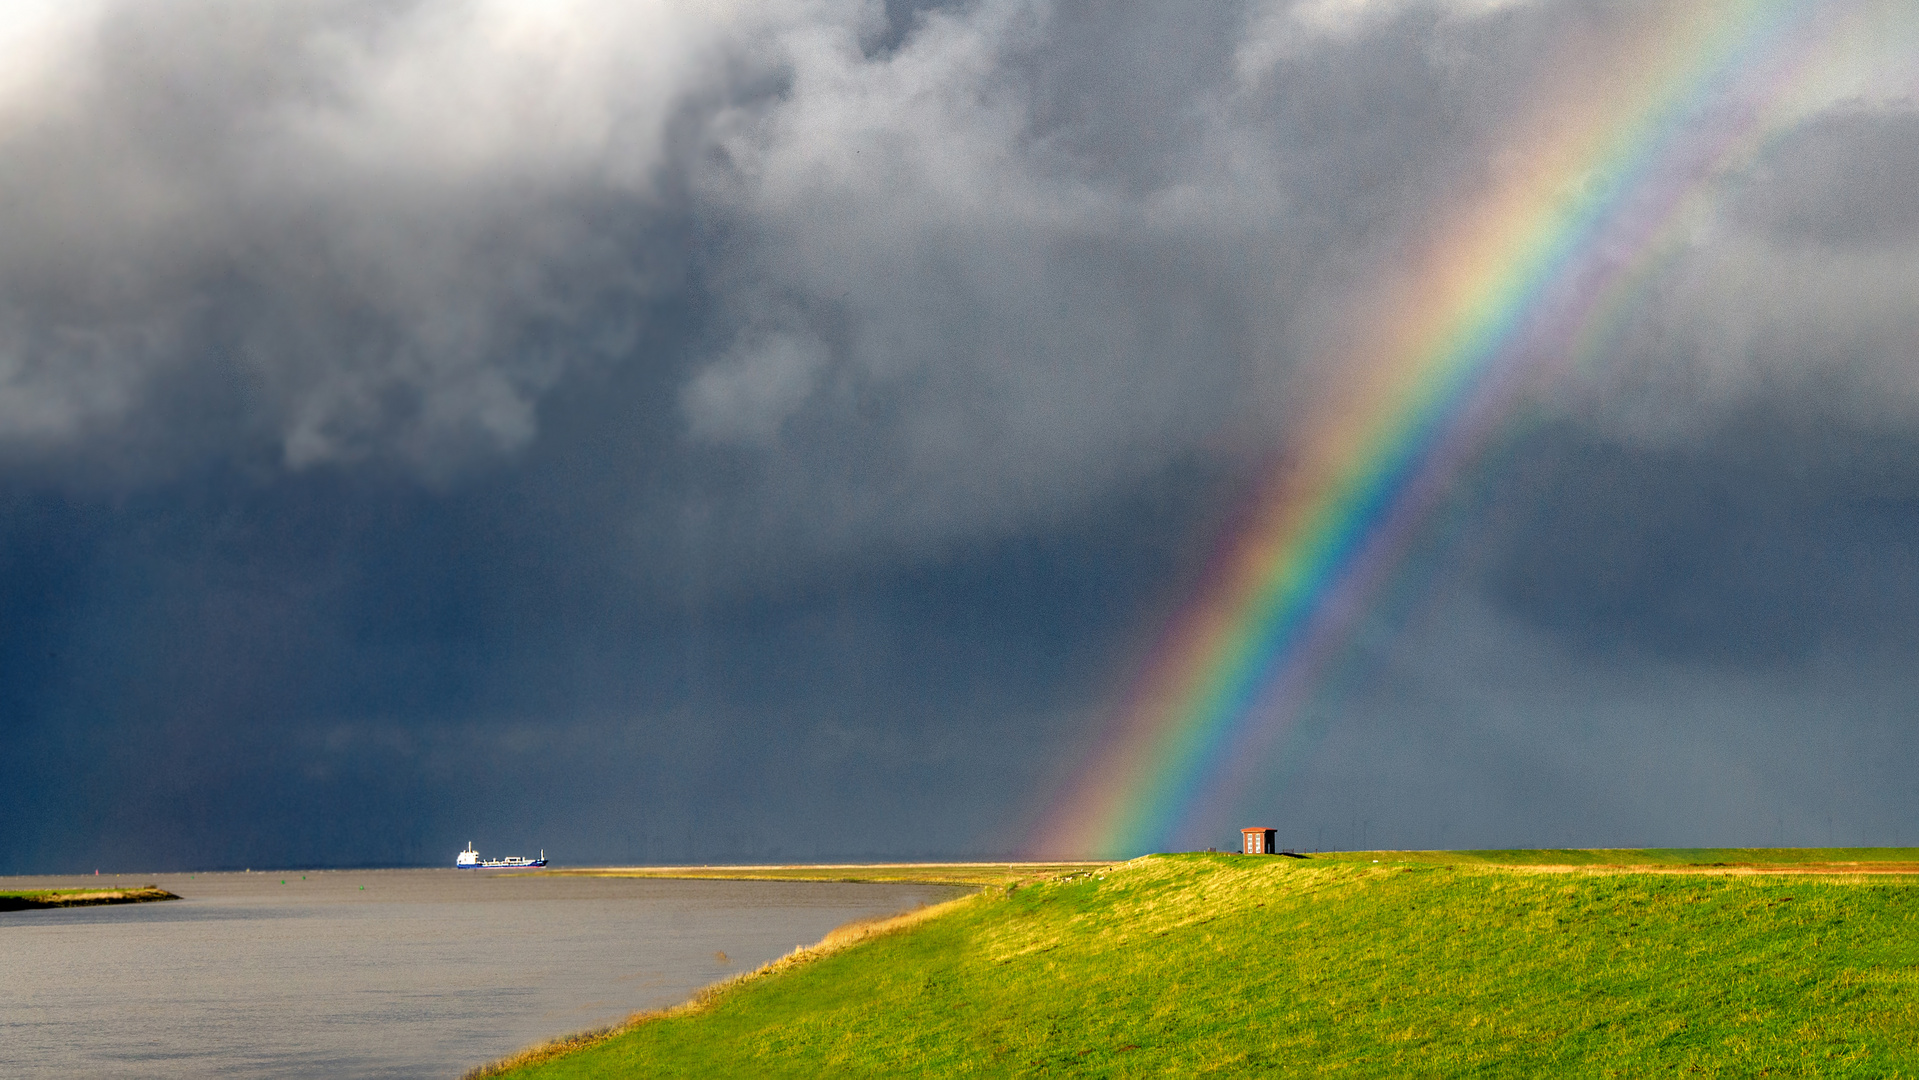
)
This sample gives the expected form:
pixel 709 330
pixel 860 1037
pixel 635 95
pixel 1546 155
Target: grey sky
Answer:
pixel 660 431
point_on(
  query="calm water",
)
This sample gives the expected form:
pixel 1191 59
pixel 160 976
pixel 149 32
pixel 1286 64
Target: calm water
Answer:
pixel 379 973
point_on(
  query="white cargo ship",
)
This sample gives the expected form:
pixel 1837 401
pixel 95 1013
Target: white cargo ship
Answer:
pixel 470 860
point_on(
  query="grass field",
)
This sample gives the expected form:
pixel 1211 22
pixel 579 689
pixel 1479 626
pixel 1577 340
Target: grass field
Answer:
pixel 55 898
pixel 1732 963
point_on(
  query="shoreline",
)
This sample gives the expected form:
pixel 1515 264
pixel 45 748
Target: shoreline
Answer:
pixel 986 877
pixel 706 997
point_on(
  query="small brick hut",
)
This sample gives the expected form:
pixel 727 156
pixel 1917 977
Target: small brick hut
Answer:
pixel 1259 841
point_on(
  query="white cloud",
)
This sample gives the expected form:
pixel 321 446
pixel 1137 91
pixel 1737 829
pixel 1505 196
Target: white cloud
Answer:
pixel 1280 29
pixel 503 90
pixel 745 396
pixel 365 208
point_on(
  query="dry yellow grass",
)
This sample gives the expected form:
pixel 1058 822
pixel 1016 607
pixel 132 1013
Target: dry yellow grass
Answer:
pixel 57 898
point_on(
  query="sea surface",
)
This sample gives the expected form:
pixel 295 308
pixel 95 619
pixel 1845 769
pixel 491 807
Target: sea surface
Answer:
pixel 379 973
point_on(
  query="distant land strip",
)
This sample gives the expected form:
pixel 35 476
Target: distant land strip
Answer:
pixel 948 873
pixel 1824 862
pixel 59 898
pixel 1822 869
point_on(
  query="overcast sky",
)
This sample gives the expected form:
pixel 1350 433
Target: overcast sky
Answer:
pixel 665 431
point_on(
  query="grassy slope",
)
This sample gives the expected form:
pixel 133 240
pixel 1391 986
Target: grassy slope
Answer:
pixel 1215 963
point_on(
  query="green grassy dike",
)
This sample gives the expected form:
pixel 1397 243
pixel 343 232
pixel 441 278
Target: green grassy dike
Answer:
pixel 1521 964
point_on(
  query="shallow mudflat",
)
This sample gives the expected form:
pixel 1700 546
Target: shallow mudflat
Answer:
pixel 379 973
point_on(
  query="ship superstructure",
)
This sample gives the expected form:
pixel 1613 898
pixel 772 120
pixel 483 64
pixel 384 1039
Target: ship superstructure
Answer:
pixel 470 860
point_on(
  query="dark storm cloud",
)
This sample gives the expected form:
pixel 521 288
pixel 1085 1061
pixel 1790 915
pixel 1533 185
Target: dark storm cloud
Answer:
pixel 730 430
pixel 933 271
pixel 1642 646
pixel 939 271
pixel 1779 544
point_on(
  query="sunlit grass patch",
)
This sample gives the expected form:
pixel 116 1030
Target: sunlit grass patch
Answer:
pixel 21 900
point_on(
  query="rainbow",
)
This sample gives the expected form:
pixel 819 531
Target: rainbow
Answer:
pixel 1501 294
